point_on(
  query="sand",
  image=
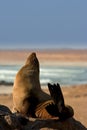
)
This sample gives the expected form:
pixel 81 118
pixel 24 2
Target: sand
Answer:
pixel 72 57
pixel 76 96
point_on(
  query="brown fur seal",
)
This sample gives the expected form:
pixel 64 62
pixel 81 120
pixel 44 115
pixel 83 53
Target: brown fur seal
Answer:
pixel 27 92
pixel 30 100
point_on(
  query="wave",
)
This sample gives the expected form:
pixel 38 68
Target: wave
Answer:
pixel 65 75
pixel 8 71
pixel 61 70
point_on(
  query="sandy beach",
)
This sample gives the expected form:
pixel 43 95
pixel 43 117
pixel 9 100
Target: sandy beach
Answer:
pixel 70 57
pixel 76 96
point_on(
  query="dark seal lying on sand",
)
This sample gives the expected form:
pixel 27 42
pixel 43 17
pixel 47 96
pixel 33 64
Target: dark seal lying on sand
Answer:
pixel 30 100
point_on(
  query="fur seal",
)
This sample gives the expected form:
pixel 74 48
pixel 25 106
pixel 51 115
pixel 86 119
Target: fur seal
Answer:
pixel 30 100
pixel 27 92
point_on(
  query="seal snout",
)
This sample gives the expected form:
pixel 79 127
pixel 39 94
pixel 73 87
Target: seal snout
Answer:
pixel 31 58
pixel 33 54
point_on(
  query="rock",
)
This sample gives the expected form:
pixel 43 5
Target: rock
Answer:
pixel 54 124
pixel 11 121
pixel 4 110
pixel 8 120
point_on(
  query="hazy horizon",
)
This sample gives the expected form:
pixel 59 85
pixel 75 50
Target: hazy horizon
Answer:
pixel 41 49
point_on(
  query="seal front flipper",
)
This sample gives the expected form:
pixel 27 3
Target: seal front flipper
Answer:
pixel 46 110
pixel 64 111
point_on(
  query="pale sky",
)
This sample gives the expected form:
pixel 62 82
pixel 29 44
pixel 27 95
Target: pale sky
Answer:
pixel 43 24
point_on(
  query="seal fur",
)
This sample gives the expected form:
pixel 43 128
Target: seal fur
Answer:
pixel 27 92
pixel 30 100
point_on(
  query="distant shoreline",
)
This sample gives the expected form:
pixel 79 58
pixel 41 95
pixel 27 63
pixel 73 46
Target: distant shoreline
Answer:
pixel 57 56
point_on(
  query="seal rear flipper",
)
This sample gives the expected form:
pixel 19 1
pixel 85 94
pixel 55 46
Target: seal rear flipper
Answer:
pixel 57 96
pixel 64 111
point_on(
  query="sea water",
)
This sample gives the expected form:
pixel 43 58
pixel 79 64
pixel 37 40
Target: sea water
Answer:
pixel 64 75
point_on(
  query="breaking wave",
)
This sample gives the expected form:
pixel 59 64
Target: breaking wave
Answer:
pixel 65 75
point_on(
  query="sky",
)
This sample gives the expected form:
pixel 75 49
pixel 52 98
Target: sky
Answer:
pixel 29 24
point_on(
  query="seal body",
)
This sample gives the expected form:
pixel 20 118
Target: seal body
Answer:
pixel 30 100
pixel 27 93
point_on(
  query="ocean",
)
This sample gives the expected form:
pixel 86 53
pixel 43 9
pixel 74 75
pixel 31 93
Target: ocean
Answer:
pixel 64 75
